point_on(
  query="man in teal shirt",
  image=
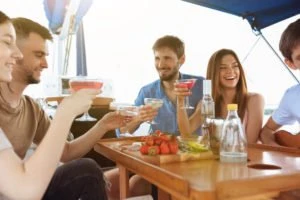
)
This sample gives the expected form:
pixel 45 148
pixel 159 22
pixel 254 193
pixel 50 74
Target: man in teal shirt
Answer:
pixel 166 116
pixel 169 56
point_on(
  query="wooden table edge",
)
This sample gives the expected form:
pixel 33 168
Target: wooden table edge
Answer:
pixel 179 190
pixel 234 189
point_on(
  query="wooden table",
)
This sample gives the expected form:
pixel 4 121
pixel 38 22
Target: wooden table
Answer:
pixel 268 171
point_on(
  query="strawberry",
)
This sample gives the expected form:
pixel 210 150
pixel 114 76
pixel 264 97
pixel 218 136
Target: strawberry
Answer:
pixel 144 149
pixel 157 141
pixel 157 133
pixel 173 146
pixel 166 137
pixel 149 141
pixel 164 148
pixel 153 150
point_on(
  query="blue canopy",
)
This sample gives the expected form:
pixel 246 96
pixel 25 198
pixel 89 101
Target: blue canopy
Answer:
pixel 56 13
pixel 56 10
pixel 259 13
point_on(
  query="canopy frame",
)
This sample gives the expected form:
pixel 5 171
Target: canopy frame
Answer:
pixel 259 14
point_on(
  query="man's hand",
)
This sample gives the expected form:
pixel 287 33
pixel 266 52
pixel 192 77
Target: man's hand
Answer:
pixel 147 113
pixel 287 139
pixel 111 121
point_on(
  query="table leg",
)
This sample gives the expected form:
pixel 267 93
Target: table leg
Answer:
pixel 162 195
pixel 124 182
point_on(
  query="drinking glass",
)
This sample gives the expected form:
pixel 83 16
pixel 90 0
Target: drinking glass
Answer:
pixel 189 83
pixel 215 133
pixel 128 111
pixel 81 82
pixel 155 104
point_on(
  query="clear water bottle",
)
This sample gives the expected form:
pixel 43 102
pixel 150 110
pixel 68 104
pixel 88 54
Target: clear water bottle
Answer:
pixel 233 147
pixel 207 112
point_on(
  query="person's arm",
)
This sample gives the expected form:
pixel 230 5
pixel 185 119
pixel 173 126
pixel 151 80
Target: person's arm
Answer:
pixel 146 113
pixel 31 177
pixel 281 116
pixel 133 125
pixel 186 125
pixel 255 112
pixel 267 132
pixel 83 144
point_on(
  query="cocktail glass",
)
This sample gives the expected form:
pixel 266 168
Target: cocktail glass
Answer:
pixel 128 111
pixel 81 82
pixel 155 104
pixel 188 83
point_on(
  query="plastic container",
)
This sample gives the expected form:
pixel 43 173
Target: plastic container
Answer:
pixel 233 146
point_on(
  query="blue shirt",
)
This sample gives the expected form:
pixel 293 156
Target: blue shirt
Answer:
pixel 167 115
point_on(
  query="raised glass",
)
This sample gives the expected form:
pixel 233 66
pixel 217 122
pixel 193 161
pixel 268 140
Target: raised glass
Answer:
pixel 189 83
pixel 128 111
pixel 81 82
pixel 155 104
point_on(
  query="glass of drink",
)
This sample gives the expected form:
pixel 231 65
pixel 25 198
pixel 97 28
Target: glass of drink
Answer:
pixel 128 111
pixel 155 104
pixel 215 132
pixel 188 83
pixel 81 82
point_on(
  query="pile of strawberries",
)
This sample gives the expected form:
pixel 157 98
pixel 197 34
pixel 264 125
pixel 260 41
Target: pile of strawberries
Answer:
pixel 159 143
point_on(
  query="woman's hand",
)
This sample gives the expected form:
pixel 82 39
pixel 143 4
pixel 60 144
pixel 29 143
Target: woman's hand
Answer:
pixel 78 102
pixel 181 90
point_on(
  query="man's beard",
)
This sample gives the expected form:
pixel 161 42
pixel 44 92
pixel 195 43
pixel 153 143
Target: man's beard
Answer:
pixel 29 74
pixel 170 77
pixel 32 80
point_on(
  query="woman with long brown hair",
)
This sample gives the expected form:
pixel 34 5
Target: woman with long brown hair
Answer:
pixel 228 86
pixel 31 177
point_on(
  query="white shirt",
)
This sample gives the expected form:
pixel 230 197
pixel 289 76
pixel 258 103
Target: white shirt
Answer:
pixel 4 142
pixel 288 111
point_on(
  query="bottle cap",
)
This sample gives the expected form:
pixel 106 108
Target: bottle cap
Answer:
pixel 206 86
pixel 232 106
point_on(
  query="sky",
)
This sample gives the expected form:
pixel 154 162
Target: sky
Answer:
pixel 119 35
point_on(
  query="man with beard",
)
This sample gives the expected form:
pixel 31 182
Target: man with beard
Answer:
pixel 24 121
pixel 288 111
pixel 169 56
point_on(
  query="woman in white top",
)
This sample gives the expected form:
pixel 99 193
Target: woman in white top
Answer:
pixel 29 179
pixel 228 86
